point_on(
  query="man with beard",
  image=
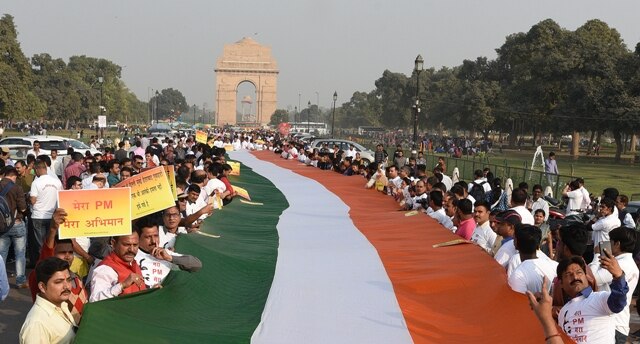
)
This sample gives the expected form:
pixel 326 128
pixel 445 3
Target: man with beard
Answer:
pixel 155 261
pixel 49 320
pixel 118 273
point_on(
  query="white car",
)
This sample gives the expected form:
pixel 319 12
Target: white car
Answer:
pixel 366 154
pixel 81 147
pixel 47 143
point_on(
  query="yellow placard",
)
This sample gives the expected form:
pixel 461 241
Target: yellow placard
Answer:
pixel 241 192
pixel 201 136
pixel 171 177
pixel 228 147
pixel 235 167
pixel 95 213
pixel 150 192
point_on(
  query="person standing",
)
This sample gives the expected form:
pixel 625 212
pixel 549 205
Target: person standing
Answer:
pixel 551 168
pixel 16 235
pixel 44 198
pixel 49 320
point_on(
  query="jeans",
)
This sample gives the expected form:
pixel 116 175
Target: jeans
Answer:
pixel 620 338
pixel 18 236
pixel 40 228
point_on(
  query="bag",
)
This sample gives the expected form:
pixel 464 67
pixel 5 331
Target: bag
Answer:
pixel 477 191
pixel 7 217
pixel 502 204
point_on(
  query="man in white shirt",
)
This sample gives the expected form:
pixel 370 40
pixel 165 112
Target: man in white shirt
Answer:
pixel 194 201
pixel 623 241
pixel 436 211
pixel 155 261
pixel 394 180
pixel 539 202
pixel 518 200
pixel 56 164
pixel 351 152
pixel 35 151
pixel 625 217
pixel 44 200
pixel 506 223
pixel 606 221
pixel 572 191
pixel 483 235
pixel 529 274
pixel 586 199
pixel 586 317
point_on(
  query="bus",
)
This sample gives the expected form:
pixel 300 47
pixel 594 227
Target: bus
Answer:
pixel 316 128
pixel 366 130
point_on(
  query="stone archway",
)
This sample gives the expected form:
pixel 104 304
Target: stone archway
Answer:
pixel 246 60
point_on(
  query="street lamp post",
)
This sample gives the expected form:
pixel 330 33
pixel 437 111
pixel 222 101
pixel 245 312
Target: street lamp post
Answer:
pixel 308 117
pixel 419 64
pixel 333 115
pixel 295 115
pixel 155 107
pixel 194 115
pixel 101 107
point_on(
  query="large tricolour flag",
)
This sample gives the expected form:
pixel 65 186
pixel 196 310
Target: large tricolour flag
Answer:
pixel 317 258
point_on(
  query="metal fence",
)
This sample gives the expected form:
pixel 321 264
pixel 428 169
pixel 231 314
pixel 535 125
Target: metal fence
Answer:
pixel 467 166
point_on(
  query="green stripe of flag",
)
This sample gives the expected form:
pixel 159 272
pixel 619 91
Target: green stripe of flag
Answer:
pixel 223 302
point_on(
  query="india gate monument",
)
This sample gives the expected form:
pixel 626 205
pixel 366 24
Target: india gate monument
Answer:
pixel 246 61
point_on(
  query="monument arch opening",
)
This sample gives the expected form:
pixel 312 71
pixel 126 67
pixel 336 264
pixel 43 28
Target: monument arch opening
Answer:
pixel 246 62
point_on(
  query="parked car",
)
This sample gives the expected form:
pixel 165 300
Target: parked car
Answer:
pixel 81 147
pixel 17 152
pixel 366 154
pixel 47 143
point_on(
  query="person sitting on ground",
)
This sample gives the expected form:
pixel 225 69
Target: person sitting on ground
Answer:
pixel 623 242
pixel 62 249
pixel 506 223
pixel 587 314
pixel 529 274
pixel 605 221
pixel 118 273
pixel 49 320
pixel 483 235
pixel 155 261
pixel 464 213
pixel 518 201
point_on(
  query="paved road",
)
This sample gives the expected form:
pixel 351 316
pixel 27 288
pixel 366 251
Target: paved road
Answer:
pixel 13 311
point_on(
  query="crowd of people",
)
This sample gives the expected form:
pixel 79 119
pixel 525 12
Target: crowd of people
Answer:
pixel 579 273
pixel 580 276
pixel 72 272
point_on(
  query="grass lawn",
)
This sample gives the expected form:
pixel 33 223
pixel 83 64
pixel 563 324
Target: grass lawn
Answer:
pixel 598 172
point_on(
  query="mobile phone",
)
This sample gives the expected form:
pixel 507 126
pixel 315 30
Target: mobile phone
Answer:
pixel 605 245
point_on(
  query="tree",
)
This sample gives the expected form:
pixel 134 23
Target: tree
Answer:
pixel 169 103
pixel 395 109
pixel 279 116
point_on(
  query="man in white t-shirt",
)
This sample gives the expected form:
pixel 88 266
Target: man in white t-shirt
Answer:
pixel 155 261
pixel 518 200
pixel 436 211
pixel 215 185
pixel 506 223
pixel 623 241
pixel 586 199
pixel 572 191
pixel 539 202
pixel 606 221
pixel 586 317
pixel 44 201
pixel 529 274
pixel 483 235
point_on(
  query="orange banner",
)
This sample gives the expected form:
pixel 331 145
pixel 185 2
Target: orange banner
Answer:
pixel 150 192
pixel 235 167
pixel 201 136
pixel 95 213
pixel 171 177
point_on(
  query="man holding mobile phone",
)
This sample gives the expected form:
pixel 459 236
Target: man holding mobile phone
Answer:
pixel 623 241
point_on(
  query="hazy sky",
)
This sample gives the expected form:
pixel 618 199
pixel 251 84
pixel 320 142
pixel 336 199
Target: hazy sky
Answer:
pixel 320 46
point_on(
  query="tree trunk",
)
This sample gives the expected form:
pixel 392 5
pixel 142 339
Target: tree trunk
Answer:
pixel 634 142
pixel 575 145
pixel 535 135
pixel 590 146
pixel 512 135
pixel 618 137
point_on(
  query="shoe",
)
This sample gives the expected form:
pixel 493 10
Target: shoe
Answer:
pixel 23 286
